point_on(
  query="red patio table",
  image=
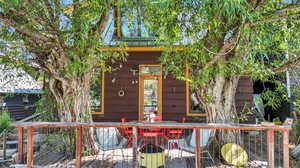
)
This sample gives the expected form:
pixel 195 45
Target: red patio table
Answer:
pixel 152 133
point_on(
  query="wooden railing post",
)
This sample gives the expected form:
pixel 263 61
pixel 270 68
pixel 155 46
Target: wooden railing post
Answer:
pixel 20 145
pixel 198 149
pixel 285 143
pixel 135 146
pixel 78 146
pixel 270 142
pixel 30 147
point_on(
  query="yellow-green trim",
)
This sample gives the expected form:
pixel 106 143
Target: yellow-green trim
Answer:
pixel 139 49
pixel 102 95
pixel 187 88
pixel 160 87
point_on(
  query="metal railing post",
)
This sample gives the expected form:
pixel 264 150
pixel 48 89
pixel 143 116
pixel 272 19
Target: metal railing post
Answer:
pixel 20 145
pixel 270 142
pixel 285 144
pixel 78 146
pixel 30 147
pixel 198 149
pixel 134 146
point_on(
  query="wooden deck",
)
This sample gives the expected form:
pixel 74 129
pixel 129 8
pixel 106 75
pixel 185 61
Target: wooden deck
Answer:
pixel 116 159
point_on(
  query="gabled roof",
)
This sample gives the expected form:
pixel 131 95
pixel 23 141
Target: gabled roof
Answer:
pixel 13 80
pixel 126 30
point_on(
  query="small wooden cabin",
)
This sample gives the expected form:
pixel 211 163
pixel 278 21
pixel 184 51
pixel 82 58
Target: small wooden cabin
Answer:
pixel 18 92
pixel 140 86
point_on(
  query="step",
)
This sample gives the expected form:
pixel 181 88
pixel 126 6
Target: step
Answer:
pixel 24 166
pixel 9 144
pixel 9 152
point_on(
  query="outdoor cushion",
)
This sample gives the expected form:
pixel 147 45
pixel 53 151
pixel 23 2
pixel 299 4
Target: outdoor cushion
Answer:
pixel 108 138
pixel 204 137
pixel 234 154
pixel 191 146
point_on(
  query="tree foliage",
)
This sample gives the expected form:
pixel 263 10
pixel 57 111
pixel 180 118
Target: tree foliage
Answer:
pixel 51 34
pixel 221 40
pixel 218 40
pixel 225 37
pixel 64 41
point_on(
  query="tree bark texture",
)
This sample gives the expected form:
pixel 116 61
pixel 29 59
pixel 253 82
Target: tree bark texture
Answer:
pixel 72 97
pixel 221 107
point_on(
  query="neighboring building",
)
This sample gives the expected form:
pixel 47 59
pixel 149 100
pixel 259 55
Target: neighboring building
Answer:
pixel 18 91
pixel 140 86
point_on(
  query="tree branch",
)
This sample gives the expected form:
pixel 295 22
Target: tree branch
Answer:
pixel 102 23
pixel 26 32
pixel 49 10
pixel 289 64
pixel 33 19
pixel 287 8
pixel 226 49
pixel 273 19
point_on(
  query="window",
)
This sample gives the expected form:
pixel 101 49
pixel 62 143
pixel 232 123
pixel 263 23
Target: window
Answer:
pixel 97 94
pixel 193 106
pixel 130 24
pixel 150 69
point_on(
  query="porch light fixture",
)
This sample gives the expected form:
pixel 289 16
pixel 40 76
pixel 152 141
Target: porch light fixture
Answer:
pixel 134 69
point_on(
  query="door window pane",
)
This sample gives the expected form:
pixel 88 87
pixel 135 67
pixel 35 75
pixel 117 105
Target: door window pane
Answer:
pixel 150 96
pixel 150 70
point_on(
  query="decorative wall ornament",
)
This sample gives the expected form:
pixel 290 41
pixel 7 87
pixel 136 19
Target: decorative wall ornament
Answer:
pixel 113 80
pixel 134 81
pixel 134 69
pixel 121 93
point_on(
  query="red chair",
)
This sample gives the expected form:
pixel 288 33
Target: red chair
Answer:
pixel 127 132
pixel 151 134
pixel 174 134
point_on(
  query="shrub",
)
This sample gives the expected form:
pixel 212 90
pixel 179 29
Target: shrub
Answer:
pixel 5 121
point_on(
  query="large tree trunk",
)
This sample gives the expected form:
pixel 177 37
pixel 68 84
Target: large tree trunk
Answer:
pixel 72 97
pixel 221 106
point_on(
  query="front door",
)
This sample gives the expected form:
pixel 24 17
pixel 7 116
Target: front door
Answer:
pixel 150 90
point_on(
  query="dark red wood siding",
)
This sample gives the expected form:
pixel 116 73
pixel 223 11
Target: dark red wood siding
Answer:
pixel 116 107
pixel 174 99
pixel 174 92
pixel 243 96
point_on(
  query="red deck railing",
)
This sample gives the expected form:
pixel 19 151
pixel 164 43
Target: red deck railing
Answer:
pixel 269 130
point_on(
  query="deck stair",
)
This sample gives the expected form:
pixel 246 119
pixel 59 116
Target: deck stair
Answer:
pixel 9 142
pixel 8 146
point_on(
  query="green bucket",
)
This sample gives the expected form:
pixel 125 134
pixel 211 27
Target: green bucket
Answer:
pixel 151 156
